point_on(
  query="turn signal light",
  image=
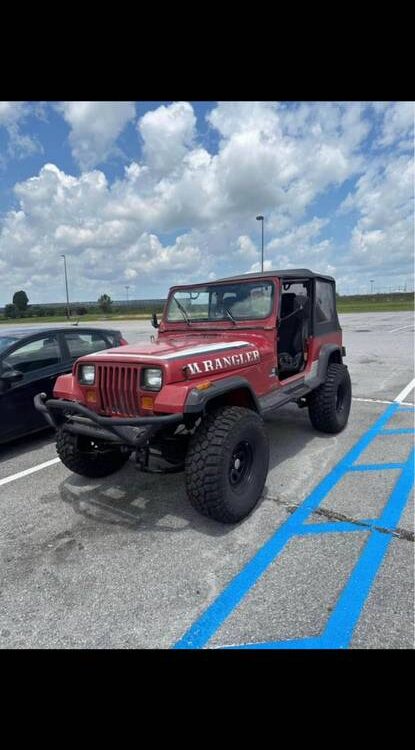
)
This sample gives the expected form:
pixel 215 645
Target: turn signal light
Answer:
pixel 91 397
pixel 147 402
pixel 203 386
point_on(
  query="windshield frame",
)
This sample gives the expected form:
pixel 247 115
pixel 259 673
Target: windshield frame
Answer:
pixel 225 319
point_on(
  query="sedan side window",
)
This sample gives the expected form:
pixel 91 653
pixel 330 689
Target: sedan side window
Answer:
pixel 35 355
pixel 80 344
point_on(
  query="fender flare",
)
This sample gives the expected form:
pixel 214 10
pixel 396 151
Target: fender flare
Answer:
pixel 197 401
pixel 323 359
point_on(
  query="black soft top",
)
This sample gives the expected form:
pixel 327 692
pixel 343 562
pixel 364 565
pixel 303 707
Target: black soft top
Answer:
pixel 289 273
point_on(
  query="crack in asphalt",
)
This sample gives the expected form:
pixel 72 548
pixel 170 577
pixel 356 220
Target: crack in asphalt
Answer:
pixel 334 516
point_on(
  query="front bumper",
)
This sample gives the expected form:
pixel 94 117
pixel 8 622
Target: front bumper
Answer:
pixel 83 421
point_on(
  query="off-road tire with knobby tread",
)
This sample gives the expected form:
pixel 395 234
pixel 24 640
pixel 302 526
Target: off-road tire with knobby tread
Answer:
pixel 329 405
pixel 210 479
pixel 87 464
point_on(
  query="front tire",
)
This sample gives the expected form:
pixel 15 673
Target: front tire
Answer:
pixel 329 405
pixel 78 455
pixel 227 464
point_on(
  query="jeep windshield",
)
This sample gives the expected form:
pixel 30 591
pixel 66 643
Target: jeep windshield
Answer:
pixel 232 302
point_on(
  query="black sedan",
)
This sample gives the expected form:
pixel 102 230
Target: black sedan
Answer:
pixel 30 361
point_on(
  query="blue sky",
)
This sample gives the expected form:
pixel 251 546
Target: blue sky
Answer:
pixel 151 194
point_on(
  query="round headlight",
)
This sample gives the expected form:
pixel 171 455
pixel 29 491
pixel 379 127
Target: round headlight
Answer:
pixel 152 378
pixel 87 374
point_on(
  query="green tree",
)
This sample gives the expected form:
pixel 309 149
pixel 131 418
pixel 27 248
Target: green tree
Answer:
pixel 105 302
pixel 20 299
pixel 11 311
pixel 37 311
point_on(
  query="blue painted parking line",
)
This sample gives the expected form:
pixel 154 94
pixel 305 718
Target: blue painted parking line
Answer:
pixel 375 467
pixel 340 626
pixel 339 629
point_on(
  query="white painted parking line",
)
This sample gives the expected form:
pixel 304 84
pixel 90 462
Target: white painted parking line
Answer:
pixel 380 401
pixel 26 472
pixel 400 397
pixel 401 328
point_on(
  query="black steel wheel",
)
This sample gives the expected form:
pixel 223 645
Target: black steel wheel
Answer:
pixel 227 464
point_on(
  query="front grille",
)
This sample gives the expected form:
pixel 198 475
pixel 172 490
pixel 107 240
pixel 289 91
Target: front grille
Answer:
pixel 118 388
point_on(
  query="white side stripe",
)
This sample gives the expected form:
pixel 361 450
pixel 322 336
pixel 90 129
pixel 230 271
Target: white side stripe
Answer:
pixel 203 349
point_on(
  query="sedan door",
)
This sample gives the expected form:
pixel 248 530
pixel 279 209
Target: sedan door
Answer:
pixel 39 361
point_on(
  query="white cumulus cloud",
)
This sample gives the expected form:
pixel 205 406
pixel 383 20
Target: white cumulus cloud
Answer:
pixel 95 127
pixel 398 123
pixel 168 133
pixel 181 212
pixel 12 118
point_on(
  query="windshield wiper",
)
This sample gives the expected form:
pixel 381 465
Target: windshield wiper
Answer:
pixel 183 311
pixel 229 314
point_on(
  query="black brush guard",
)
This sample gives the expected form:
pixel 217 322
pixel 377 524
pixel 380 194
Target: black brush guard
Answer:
pixel 83 421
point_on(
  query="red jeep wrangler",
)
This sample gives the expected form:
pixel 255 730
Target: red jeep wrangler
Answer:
pixel 227 353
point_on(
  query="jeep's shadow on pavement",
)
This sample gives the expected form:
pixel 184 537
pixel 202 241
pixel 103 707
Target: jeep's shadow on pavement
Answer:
pixel 138 501
pixel 153 502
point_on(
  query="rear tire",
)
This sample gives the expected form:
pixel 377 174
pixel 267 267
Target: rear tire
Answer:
pixel 227 464
pixel 329 405
pixel 87 463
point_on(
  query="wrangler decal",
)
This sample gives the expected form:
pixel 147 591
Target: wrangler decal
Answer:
pixel 220 363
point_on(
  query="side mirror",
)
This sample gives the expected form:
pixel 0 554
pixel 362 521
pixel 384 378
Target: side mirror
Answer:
pixel 11 376
pixel 154 321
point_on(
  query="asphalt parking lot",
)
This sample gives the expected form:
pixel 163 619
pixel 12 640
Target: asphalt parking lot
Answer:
pixel 325 561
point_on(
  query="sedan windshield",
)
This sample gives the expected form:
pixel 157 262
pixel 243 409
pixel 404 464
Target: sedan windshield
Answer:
pixel 6 341
pixel 232 302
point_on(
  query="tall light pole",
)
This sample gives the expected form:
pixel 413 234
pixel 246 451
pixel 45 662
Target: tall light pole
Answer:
pixel 371 288
pixel 68 312
pixel 126 289
pixel 261 219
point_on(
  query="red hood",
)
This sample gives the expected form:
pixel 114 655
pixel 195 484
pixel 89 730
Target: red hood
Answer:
pixel 201 354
